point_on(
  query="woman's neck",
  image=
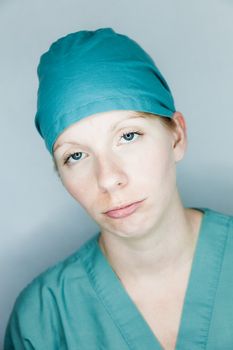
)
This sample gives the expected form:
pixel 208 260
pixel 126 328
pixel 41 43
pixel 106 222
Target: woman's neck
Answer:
pixel 159 253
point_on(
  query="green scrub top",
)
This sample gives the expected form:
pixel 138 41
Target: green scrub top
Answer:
pixel 80 304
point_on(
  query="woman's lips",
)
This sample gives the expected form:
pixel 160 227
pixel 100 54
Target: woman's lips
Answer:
pixel 121 213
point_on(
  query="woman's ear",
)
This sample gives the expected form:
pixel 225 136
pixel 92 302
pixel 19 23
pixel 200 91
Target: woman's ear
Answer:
pixel 180 136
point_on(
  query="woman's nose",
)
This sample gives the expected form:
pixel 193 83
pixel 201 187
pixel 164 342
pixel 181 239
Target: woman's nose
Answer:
pixel 111 174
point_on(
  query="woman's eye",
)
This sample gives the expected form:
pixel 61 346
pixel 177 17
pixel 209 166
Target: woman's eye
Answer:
pixel 129 136
pixel 73 158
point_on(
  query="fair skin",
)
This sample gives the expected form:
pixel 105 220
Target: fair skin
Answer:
pixel 152 249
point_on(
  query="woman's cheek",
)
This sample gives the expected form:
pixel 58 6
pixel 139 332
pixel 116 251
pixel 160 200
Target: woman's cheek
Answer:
pixel 74 186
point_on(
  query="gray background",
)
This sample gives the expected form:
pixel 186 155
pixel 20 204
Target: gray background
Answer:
pixel 191 42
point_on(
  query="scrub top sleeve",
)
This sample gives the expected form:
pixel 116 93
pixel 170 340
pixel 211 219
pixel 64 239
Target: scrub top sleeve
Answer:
pixel 14 339
pixel 21 321
pixel 30 320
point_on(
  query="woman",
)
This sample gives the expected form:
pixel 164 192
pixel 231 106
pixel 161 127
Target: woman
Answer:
pixel 157 275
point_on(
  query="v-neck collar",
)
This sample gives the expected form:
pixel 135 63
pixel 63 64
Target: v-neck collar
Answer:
pixel 198 301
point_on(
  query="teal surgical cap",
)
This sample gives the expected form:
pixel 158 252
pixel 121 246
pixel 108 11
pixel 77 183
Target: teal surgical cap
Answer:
pixel 89 72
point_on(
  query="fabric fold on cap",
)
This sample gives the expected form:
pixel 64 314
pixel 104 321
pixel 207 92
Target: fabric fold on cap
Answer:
pixel 89 72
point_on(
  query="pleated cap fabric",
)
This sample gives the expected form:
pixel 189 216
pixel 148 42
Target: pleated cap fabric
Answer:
pixel 89 72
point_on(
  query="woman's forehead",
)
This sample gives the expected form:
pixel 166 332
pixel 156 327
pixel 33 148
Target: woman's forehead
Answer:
pixel 107 118
pixel 107 121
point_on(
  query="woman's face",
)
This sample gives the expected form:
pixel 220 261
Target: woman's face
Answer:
pixel 113 159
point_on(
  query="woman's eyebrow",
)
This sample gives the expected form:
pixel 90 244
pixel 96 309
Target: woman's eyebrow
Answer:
pixel 65 143
pixel 124 120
